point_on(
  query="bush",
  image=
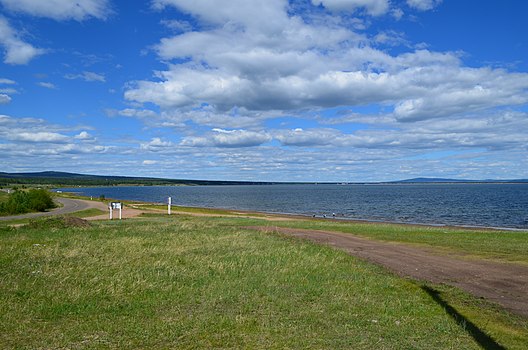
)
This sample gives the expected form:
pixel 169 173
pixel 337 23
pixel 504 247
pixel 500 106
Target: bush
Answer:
pixel 20 202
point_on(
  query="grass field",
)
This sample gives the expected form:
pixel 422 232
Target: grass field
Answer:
pixel 199 282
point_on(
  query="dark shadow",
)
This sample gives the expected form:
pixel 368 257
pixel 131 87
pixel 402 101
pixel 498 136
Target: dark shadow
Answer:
pixel 484 340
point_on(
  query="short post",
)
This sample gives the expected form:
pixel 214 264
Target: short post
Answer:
pixel 110 207
pixel 169 206
pixel 120 208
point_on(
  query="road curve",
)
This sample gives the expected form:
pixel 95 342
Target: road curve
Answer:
pixel 68 206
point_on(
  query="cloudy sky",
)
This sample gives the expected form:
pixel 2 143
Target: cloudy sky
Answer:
pixel 320 90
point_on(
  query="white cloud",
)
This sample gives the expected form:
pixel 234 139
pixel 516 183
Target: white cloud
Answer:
pixel 228 138
pixel 83 135
pixel 137 113
pixel 156 145
pixel 60 9
pixel 149 162
pixel 16 50
pixel 4 81
pixel 266 15
pixel 423 5
pixel 4 99
pixel 305 66
pixel 303 138
pixel 372 7
pixel 46 85
pixel 87 76
pixel 41 136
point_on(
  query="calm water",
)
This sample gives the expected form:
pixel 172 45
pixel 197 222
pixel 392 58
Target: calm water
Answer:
pixel 490 205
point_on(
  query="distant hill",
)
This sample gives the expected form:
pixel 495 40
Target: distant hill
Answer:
pixel 57 178
pixel 443 180
pixel 71 179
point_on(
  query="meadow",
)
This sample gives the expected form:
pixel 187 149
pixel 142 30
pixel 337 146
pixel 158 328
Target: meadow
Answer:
pixel 205 282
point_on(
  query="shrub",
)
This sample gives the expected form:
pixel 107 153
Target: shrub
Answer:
pixel 20 202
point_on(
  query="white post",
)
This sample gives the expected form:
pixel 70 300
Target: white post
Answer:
pixel 169 206
pixel 120 212
pixel 110 212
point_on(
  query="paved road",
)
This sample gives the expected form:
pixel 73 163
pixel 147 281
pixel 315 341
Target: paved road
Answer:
pixel 69 206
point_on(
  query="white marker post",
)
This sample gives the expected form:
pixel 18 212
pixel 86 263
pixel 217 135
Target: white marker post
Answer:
pixel 169 206
pixel 110 207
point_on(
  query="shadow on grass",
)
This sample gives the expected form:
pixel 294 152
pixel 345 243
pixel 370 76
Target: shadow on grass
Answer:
pixel 484 340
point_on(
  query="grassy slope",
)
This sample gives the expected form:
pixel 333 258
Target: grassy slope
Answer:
pixel 201 283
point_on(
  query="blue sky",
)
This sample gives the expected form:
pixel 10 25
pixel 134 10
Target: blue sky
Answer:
pixel 320 90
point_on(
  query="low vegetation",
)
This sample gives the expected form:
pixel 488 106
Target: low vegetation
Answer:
pixel 202 282
pixel 20 202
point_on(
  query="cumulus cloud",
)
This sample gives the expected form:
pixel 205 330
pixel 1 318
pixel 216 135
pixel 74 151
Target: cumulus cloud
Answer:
pixel 228 138
pixel 83 135
pixel 372 7
pixel 78 10
pixel 297 65
pixel 423 5
pixel 4 99
pixel 255 14
pixel 16 50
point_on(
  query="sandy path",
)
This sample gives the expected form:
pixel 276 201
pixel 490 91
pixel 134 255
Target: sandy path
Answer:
pixel 126 213
pixel 503 283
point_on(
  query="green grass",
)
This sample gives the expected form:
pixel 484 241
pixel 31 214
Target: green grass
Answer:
pixel 79 214
pixel 88 213
pixel 510 246
pixel 197 282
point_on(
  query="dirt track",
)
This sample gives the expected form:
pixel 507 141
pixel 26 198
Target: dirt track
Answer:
pixel 503 283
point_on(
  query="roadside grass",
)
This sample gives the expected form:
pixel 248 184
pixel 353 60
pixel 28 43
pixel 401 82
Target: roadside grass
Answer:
pixel 79 214
pixel 200 282
pixel 6 223
pixel 87 213
pixel 507 246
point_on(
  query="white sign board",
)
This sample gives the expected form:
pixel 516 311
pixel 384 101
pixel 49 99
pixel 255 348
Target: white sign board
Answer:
pixel 116 205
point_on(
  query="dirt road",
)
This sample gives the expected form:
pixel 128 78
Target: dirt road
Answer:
pixel 503 283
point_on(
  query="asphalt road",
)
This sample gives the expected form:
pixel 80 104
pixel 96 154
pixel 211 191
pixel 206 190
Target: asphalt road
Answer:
pixel 68 206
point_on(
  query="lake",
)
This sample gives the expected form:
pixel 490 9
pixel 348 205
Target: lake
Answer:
pixel 485 205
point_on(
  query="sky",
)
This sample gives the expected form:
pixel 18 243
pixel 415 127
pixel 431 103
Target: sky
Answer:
pixel 275 90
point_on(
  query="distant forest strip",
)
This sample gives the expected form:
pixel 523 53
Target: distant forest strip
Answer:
pixel 66 180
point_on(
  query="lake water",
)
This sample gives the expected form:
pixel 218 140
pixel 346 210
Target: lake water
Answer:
pixel 488 205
